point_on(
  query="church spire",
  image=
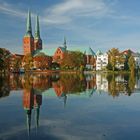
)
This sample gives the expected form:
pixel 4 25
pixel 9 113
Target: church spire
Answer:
pixel 29 26
pixel 37 28
pixel 65 43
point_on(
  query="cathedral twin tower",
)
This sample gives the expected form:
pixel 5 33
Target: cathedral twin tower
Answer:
pixel 30 43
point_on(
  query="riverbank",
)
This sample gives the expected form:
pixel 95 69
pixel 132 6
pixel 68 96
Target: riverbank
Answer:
pixel 76 71
pixel 72 72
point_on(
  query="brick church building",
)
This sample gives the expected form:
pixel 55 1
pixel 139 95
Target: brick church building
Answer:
pixel 30 43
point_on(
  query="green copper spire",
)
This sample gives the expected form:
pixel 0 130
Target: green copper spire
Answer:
pixel 65 43
pixel 29 26
pixel 37 28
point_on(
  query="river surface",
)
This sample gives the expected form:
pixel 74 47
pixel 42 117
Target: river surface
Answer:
pixel 69 107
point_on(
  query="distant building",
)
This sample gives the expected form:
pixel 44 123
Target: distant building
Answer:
pixel 32 45
pixel 135 55
pixel 101 61
pixel 137 59
pixel 60 52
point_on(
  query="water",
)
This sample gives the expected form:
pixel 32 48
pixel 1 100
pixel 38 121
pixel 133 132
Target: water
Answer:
pixel 69 107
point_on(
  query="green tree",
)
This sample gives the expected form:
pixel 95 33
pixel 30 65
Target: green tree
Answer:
pixel 55 65
pixel 73 60
pixel 126 65
pixel 131 84
pixel 109 66
pixel 132 66
pixel 113 57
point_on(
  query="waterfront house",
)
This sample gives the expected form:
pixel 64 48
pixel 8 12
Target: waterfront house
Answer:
pixel 101 60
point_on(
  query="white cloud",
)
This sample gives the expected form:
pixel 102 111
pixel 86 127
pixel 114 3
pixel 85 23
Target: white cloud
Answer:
pixel 10 10
pixel 68 10
pixel 64 16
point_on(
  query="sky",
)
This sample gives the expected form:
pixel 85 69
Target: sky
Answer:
pixel 99 24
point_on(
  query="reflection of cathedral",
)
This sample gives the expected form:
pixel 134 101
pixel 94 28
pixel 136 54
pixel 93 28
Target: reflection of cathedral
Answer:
pixel 31 102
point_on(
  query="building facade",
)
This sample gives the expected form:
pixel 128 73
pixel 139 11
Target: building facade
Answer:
pixel 101 61
pixel 90 59
pixel 60 52
pixel 137 59
pixel 30 43
pixel 136 56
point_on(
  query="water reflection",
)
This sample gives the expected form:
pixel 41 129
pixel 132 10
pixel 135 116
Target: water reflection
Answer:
pixel 31 101
pixel 36 85
pixel 63 85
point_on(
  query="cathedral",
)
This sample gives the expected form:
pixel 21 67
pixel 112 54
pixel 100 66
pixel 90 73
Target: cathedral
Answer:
pixel 31 44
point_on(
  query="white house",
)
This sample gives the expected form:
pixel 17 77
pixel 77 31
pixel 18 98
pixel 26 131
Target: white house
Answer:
pixel 135 55
pixel 137 59
pixel 101 61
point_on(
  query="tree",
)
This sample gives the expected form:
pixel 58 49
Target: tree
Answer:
pixel 132 66
pixel 28 62
pixel 42 61
pixel 73 60
pixel 109 66
pixel 4 59
pixel 1 60
pixel 113 54
pixel 17 63
pixel 55 65
pixel 128 55
pixel 115 58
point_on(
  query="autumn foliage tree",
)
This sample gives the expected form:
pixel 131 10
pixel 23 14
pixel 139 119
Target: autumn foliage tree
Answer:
pixel 113 53
pixel 73 60
pixel 4 59
pixel 28 62
pixel 115 57
pixel 42 61
pixel 17 62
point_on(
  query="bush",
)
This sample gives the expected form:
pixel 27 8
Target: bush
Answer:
pixel 109 66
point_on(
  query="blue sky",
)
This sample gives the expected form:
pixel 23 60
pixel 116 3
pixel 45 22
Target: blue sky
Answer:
pixel 99 24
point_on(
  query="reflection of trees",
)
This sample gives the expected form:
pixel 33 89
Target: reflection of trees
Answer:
pixel 4 86
pixel 112 88
pixel 15 82
pixel 125 84
pixel 131 84
pixel 39 82
pixel 63 84
pixel 70 83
